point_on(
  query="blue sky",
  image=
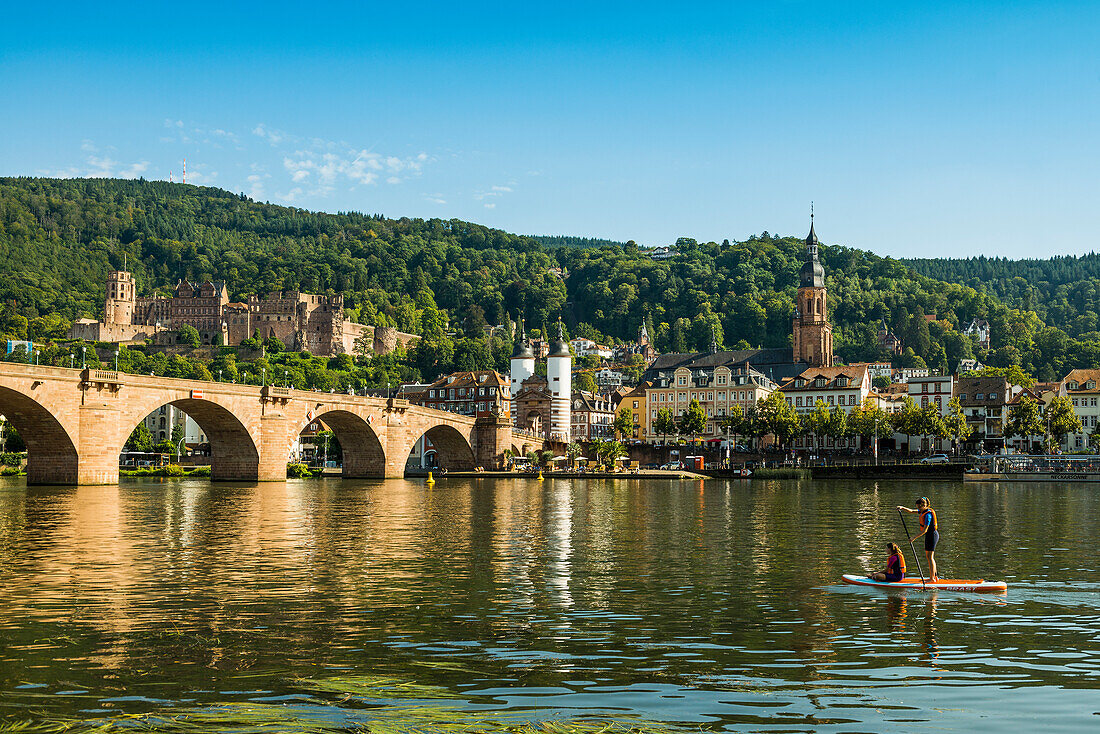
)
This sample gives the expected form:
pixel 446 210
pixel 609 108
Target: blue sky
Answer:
pixel 918 129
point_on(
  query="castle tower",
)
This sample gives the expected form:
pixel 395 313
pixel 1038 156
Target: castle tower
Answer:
pixel 559 373
pixel 119 306
pixel 523 365
pixel 812 333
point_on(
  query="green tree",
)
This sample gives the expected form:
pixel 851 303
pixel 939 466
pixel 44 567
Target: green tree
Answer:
pixel 1061 419
pixel 573 450
pixel 930 423
pixel 607 452
pixel 908 421
pixel 140 439
pixel 624 423
pixel 11 440
pixel 188 335
pixel 775 415
pixel 177 434
pixel 665 423
pixel 694 420
pixel 1025 419
pixel 817 422
pixel 585 381
pixel 955 424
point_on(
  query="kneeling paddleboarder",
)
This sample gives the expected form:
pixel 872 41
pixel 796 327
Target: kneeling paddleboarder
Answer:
pixel 895 566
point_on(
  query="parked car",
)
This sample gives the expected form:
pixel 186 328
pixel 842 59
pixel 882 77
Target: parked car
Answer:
pixel 672 466
pixel 741 448
pixel 936 459
pixel 651 466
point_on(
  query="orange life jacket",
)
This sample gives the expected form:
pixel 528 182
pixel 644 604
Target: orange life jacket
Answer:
pixel 935 521
pixel 901 562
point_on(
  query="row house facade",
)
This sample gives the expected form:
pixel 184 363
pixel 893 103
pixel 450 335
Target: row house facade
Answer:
pixel 984 402
pixel 592 417
pixel 1082 387
pixel 477 394
pixel 844 387
pixel 934 390
pixel 718 388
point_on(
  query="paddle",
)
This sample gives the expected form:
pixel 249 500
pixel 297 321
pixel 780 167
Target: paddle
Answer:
pixel 915 558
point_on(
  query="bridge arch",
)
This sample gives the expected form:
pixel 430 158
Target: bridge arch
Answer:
pixel 452 448
pixel 234 455
pixel 51 454
pixel 364 457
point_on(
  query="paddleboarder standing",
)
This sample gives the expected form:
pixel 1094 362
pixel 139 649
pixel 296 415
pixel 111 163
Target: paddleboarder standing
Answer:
pixel 930 529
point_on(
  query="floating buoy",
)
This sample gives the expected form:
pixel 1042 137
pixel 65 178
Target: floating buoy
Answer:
pixel 540 475
pixel 430 480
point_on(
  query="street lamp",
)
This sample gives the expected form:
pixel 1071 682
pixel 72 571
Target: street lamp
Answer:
pixel 286 381
pixel 219 375
pixel 84 358
pixel 116 360
pixel 874 440
pixel 178 445
pixel 263 376
pixel 72 358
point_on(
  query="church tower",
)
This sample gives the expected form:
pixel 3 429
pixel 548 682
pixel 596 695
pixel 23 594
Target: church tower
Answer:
pixel 812 332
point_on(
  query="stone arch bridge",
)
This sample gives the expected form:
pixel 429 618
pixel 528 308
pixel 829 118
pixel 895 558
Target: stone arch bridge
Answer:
pixel 76 422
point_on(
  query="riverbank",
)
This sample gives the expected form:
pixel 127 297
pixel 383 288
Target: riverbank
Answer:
pixel 640 474
pixel 890 471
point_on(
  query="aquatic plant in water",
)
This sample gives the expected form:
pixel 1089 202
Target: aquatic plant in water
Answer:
pixel 375 704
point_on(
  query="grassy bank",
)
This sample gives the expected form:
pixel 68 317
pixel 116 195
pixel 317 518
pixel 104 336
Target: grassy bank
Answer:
pixel 172 470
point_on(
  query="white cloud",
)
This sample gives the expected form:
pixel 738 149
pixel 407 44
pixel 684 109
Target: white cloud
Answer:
pixel 493 192
pixel 272 136
pixel 490 206
pixel 393 180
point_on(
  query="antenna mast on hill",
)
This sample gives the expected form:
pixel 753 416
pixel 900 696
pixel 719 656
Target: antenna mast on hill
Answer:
pixel 185 170
pixel 170 177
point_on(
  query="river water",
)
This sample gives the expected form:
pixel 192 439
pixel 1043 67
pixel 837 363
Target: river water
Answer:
pixel 485 605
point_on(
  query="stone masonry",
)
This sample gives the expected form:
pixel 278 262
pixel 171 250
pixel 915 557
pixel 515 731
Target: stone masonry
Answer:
pixel 76 422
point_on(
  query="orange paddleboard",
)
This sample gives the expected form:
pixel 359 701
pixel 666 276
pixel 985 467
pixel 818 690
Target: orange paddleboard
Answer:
pixel 979 586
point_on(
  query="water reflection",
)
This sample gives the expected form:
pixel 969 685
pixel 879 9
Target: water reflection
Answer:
pixel 711 603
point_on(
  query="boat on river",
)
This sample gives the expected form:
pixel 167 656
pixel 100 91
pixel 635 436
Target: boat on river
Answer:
pixel 1041 468
pixel 978 586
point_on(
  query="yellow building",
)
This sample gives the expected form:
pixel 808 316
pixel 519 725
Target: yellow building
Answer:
pixel 635 401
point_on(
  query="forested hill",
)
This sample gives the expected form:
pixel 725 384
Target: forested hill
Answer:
pixel 558 240
pixel 446 279
pixel 1063 290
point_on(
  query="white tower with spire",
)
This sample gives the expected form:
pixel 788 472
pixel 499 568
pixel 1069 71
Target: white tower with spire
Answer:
pixel 559 373
pixel 523 366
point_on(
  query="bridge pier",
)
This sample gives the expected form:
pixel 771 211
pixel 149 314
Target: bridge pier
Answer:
pixel 492 437
pixel 98 444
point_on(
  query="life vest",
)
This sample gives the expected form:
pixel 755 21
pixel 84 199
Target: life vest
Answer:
pixel 901 562
pixel 935 523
